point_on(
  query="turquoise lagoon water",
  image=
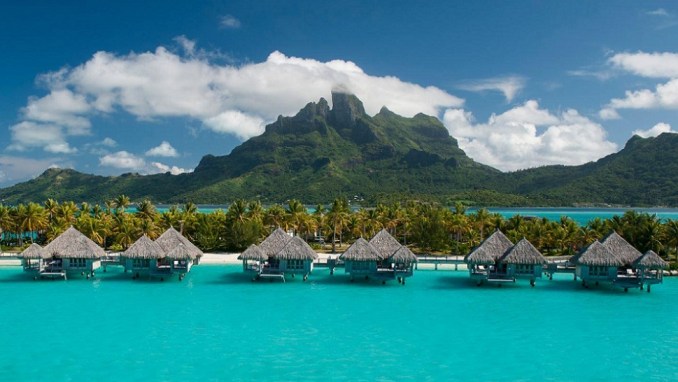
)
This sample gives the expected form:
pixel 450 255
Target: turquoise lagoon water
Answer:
pixel 579 214
pixel 218 325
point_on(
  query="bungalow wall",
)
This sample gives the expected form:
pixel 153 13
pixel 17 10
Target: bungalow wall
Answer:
pixel 360 268
pixel 300 267
pixel 142 266
pixel 525 271
pixel 596 273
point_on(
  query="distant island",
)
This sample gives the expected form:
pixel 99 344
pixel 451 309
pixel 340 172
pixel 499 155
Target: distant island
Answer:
pixel 324 153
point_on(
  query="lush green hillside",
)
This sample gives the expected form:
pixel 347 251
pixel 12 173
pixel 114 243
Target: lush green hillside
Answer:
pixel 323 153
pixel 644 173
pixel 319 154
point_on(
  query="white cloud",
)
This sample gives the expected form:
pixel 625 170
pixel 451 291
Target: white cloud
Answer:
pixel 658 12
pixel 652 65
pixel 509 86
pixel 61 107
pixel 16 169
pixel 527 136
pixel 229 99
pixel 123 160
pixel 235 122
pixel 229 22
pixel 599 74
pixel 165 149
pixel 649 65
pixel 157 167
pixel 49 137
pixel 186 44
pixel 654 130
pixel 128 161
pixel 608 114
pixel 109 142
pixel 664 96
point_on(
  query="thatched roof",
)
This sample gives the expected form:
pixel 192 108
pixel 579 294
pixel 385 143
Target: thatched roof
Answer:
pixel 386 244
pixel 253 253
pixel 597 254
pixel 181 252
pixel 523 253
pixel 144 248
pixel 403 256
pixel 490 250
pixel 73 244
pixel 361 250
pixel 296 249
pixel 35 251
pixel 275 242
pixel 621 248
pixel 171 239
pixel 650 260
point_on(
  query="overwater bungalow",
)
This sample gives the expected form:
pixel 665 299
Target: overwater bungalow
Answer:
pixel 650 269
pixel 386 245
pixel 142 257
pixel 295 258
pixel 180 255
pixel 596 263
pixel 72 253
pixel 253 259
pixel 627 275
pixel 523 261
pixel 34 259
pixel 360 259
pixel 270 247
pixel 621 248
pixel 402 262
pixel 383 258
pixel 484 261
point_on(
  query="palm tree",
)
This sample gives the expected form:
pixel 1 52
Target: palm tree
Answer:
pixel 121 202
pixel 6 220
pixel 296 213
pixel 67 212
pixel 146 210
pixel 458 224
pixel 31 218
pixel 482 219
pixel 51 207
pixel 274 217
pixel 319 216
pixel 126 233
pixel 337 217
pixel 672 236
pixel 255 211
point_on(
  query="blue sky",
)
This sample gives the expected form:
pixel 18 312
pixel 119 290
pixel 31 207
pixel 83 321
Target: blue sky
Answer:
pixel 153 86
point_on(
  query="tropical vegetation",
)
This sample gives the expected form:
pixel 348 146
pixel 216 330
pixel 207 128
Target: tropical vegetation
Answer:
pixel 426 227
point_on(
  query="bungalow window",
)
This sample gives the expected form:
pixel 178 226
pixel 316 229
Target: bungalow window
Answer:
pixel 295 264
pixel 141 263
pixel 360 265
pixel 78 263
pixel 525 268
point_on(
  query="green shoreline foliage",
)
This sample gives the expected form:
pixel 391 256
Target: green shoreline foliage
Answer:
pixel 426 227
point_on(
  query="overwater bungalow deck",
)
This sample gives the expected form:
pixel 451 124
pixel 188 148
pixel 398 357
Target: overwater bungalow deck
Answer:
pixel 650 269
pixel 382 258
pixel 142 258
pixel 71 254
pixel 278 255
pixel 483 262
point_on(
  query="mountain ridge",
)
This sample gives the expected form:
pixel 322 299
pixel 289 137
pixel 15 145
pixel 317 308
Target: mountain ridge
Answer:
pixel 322 153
